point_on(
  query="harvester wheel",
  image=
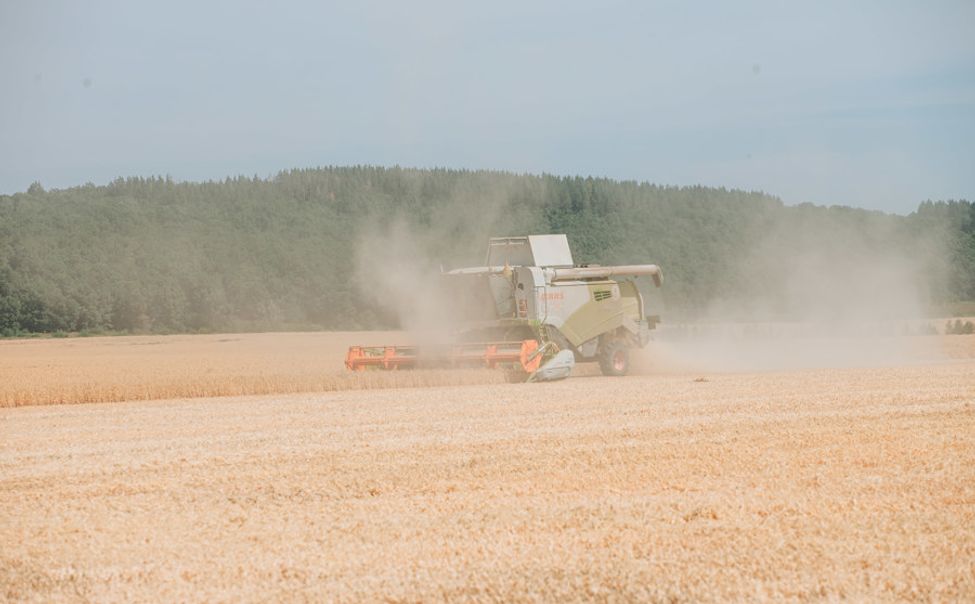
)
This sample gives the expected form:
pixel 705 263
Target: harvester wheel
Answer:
pixel 614 358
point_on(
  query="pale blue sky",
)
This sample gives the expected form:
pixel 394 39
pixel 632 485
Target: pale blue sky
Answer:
pixel 869 104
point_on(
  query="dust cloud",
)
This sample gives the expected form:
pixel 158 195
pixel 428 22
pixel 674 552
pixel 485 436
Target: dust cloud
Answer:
pixel 779 347
pixel 399 260
pixel 812 292
pixel 820 296
pixel 395 272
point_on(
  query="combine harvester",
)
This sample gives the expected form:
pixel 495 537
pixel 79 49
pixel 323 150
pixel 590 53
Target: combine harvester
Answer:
pixel 530 309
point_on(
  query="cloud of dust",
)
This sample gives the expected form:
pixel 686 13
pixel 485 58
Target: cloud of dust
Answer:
pixel 779 347
pixel 819 288
pixel 399 259
pixel 826 295
pixel 396 272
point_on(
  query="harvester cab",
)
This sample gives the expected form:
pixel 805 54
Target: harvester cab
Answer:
pixel 529 303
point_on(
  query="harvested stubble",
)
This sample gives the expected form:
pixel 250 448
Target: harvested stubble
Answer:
pixel 110 369
pixel 801 485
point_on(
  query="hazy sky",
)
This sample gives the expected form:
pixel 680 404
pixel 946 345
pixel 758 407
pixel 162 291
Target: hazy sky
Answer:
pixel 857 103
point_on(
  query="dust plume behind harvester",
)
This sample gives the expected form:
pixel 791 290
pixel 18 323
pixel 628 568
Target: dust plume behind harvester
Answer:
pixel 531 310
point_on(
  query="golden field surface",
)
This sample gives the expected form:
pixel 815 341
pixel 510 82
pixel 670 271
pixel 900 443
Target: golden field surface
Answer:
pixel 792 483
pixel 123 368
pixel 126 368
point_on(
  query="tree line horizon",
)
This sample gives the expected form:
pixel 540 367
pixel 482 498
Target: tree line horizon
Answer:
pixel 151 255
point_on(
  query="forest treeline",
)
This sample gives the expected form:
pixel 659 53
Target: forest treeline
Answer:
pixel 154 255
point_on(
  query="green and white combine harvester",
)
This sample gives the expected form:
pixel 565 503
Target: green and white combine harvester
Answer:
pixel 531 310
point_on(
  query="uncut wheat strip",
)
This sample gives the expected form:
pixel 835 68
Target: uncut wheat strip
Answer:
pixel 112 389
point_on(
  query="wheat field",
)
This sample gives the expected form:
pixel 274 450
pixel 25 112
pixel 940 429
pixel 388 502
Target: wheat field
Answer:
pixel 804 484
pixel 125 368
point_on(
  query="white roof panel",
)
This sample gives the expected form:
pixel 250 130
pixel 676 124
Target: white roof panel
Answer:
pixel 550 250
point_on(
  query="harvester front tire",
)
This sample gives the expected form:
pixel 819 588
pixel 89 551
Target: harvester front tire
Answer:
pixel 614 359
